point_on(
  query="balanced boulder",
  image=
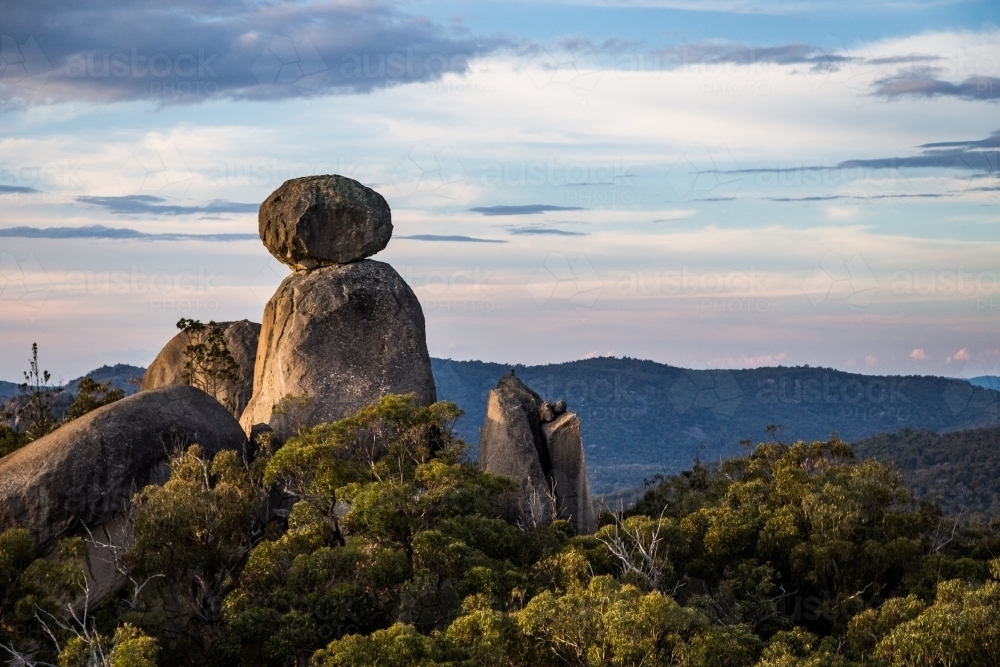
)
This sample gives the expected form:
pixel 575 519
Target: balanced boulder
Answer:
pixel 522 440
pixel 170 365
pixel 84 473
pixel 323 220
pixel 333 340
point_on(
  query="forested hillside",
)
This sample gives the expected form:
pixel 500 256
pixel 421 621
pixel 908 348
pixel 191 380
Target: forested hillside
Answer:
pixel 640 418
pixel 960 470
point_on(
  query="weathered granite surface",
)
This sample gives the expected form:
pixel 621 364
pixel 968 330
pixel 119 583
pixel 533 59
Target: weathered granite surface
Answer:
pixel 84 473
pixel 322 220
pixel 333 340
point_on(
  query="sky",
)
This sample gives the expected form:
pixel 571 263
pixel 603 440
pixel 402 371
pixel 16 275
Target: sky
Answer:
pixel 713 184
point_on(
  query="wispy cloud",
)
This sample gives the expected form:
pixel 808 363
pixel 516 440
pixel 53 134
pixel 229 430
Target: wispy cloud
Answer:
pixel 923 84
pixel 454 238
pixel 15 189
pixel 542 231
pixel 102 232
pixel 527 209
pixel 714 52
pixel 902 195
pixel 151 205
pixel 963 155
pixel 992 141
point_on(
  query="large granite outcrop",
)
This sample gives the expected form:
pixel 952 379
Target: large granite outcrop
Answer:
pixel 333 340
pixel 510 445
pixel 241 338
pixel 568 474
pixel 323 220
pixel 528 440
pixel 83 474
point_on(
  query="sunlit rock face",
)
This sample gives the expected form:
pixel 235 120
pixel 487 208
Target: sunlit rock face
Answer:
pixel 540 446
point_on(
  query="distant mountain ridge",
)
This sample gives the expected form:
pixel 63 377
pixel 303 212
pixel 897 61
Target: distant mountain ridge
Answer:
pixel 121 377
pixel 640 417
pixel 987 381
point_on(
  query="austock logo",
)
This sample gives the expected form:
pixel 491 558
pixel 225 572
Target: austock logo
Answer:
pixel 713 390
pixel 155 168
pixel 426 169
pixel 705 173
pixel 839 280
pixel 564 279
pixel 23 65
pixel 285 62
pixel 870 400
pixel 977 402
pixel 24 284
pixel 574 64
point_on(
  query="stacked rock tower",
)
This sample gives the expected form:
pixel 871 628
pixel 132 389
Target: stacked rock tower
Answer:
pixel 342 330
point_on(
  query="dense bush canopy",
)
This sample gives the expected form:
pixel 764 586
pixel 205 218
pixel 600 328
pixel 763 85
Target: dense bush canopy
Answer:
pixel 373 540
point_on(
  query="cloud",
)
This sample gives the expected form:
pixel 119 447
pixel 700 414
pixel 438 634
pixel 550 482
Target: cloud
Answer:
pixel 748 361
pixel 961 355
pixel 918 353
pixel 454 238
pixel 964 155
pixel 900 60
pixel 15 189
pixel 903 195
pixel 151 205
pixel 528 209
pixel 841 212
pixel 923 84
pixel 102 232
pixel 713 52
pixel 871 360
pixel 542 231
pixel 992 141
pixel 772 7
pixel 188 51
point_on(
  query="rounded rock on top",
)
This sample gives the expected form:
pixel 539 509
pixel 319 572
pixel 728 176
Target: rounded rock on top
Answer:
pixel 318 221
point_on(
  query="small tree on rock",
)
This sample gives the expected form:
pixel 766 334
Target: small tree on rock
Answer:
pixel 208 363
pixel 35 411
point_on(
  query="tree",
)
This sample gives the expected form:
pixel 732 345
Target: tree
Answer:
pixel 33 594
pixel 208 363
pixel 388 523
pixel 642 547
pixel 191 538
pixel 127 647
pixel 35 410
pixel 92 395
pixel 11 439
pixel 962 627
pixel 373 540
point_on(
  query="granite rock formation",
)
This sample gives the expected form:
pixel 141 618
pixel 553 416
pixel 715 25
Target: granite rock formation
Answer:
pixel 523 440
pixel 334 340
pixel 510 445
pixel 568 474
pixel 84 473
pixel 323 220
pixel 341 331
pixel 241 339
